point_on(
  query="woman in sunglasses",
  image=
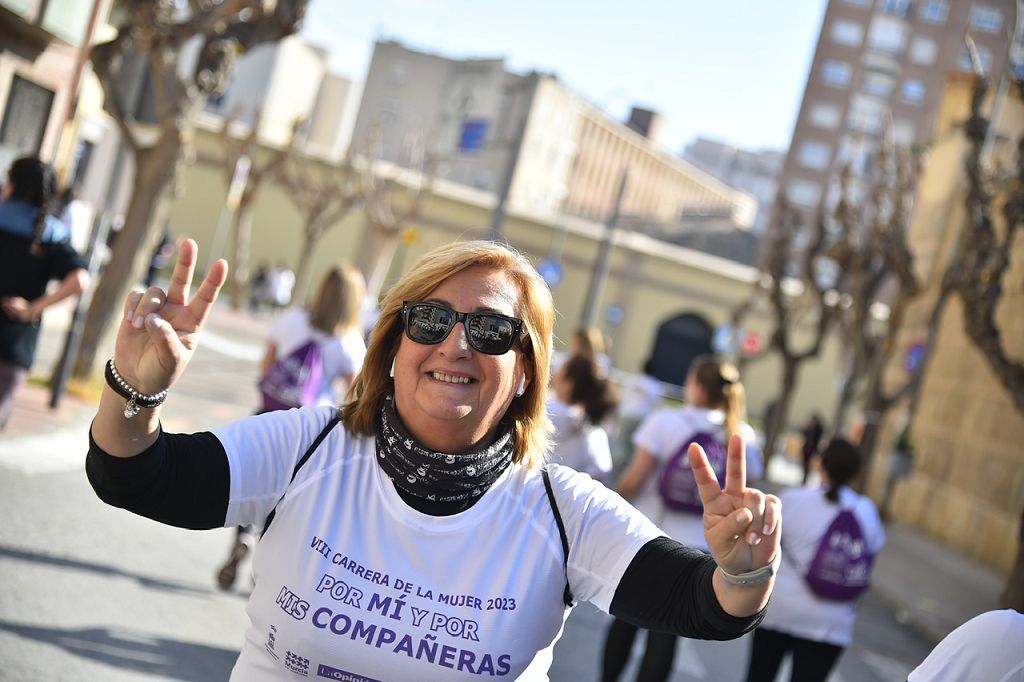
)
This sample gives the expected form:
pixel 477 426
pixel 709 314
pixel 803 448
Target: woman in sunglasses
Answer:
pixel 416 534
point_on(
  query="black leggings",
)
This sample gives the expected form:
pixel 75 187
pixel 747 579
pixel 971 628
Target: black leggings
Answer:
pixel 812 661
pixel 656 665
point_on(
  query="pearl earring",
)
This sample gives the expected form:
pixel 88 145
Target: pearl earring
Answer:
pixel 522 387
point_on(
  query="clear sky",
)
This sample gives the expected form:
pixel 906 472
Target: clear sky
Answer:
pixel 730 70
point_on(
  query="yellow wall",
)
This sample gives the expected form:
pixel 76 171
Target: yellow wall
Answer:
pixel 966 487
pixel 652 281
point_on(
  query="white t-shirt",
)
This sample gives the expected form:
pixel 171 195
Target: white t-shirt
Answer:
pixel 795 609
pixel 353 584
pixel 578 444
pixel 988 647
pixel 663 434
pixel 341 354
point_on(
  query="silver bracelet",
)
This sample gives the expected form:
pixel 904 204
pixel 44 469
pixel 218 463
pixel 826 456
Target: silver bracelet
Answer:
pixel 135 400
pixel 755 577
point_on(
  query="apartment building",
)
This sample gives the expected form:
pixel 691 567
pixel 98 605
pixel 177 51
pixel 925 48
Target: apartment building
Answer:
pixel 880 61
pixel 564 154
pixel 41 64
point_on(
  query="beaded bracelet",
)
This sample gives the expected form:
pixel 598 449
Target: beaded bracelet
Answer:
pixel 136 400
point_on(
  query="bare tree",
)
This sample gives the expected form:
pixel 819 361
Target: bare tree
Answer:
pixel 880 282
pixel 242 155
pixel 388 216
pixel 325 194
pixel 155 32
pixel 816 304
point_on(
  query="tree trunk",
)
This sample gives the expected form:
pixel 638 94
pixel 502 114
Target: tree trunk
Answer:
pixel 154 175
pixel 781 411
pixel 851 380
pixel 305 264
pixel 374 254
pixel 241 247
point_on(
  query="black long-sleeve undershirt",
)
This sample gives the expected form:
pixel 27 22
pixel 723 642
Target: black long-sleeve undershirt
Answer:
pixel 183 480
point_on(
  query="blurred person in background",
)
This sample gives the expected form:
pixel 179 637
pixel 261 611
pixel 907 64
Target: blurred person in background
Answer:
pixel 658 481
pixel 582 400
pixel 812 432
pixel 312 357
pixel 806 621
pixel 35 248
pixel 282 281
pixel 588 342
pixel 641 396
pixel 417 534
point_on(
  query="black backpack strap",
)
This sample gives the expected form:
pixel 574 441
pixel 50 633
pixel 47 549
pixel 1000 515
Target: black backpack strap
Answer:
pixel 302 460
pixel 567 595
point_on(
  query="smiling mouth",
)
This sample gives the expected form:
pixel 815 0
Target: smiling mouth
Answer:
pixel 450 379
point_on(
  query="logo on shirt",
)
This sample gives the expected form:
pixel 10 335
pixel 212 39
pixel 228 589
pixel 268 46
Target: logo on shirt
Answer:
pixel 297 664
pixel 271 638
pixel 340 675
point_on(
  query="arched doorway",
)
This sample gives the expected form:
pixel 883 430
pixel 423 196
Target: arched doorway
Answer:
pixel 679 340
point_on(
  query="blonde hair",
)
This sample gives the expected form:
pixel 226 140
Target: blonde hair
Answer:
pixel 528 412
pixel 722 388
pixel 337 306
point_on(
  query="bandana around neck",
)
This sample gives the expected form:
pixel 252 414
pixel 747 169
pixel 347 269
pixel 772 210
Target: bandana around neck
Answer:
pixel 438 476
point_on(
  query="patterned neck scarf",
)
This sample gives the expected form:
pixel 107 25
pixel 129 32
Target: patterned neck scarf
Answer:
pixel 437 476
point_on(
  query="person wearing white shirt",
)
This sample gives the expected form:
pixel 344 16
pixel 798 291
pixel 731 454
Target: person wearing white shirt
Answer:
pixel 583 398
pixel 987 647
pixel 716 407
pixel 814 630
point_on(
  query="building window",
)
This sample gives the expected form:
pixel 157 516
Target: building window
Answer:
pixel 824 116
pixel 815 155
pixel 934 11
pixel 804 192
pixel 846 32
pixel 986 19
pixel 984 60
pixel 903 132
pixel 25 118
pixel 923 51
pixel 888 35
pixel 858 3
pixel 897 8
pixel 877 84
pixel 836 73
pixel 913 91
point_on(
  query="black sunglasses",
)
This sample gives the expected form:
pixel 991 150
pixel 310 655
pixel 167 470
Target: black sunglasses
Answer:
pixel 431 323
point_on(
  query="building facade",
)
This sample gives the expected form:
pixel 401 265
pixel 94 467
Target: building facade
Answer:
pixel 41 65
pixel 754 172
pixel 879 62
pixel 527 135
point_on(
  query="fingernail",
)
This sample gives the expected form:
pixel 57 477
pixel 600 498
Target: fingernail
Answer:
pixel 156 320
pixel 139 321
pixel 129 316
pixel 752 538
pixel 766 530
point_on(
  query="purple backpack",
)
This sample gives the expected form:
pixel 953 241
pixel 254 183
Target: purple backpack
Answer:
pixel 841 568
pixel 677 486
pixel 294 380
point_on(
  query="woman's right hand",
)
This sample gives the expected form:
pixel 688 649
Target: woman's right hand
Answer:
pixel 159 331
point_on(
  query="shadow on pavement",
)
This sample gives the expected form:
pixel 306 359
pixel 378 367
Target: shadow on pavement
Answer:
pixel 107 570
pixel 129 650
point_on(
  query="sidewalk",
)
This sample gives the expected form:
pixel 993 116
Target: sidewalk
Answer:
pixel 929 586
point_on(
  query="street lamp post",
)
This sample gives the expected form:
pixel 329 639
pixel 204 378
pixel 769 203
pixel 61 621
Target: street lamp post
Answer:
pixel 600 273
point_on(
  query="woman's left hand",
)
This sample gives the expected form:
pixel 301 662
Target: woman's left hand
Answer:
pixel 742 526
pixel 19 309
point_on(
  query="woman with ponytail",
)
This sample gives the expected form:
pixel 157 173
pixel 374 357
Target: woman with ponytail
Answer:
pixel 802 622
pixel 34 249
pixel 583 399
pixel 714 412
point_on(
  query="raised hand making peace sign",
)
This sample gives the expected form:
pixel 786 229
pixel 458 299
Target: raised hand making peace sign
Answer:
pixel 743 526
pixel 158 333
